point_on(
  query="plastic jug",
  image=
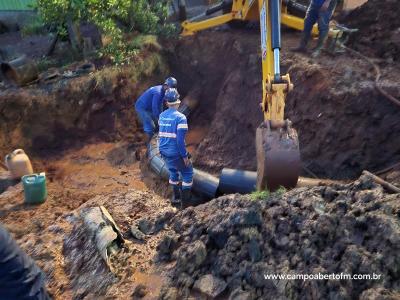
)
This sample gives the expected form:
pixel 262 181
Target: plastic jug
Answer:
pixel 18 164
pixel 35 188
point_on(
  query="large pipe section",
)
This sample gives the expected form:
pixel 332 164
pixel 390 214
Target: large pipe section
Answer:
pixel 218 7
pixel 205 184
pixel 295 8
pixel 231 180
pixel 244 182
pixel 237 181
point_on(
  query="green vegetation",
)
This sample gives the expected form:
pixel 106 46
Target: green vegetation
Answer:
pixel 114 18
pixel 280 191
pixel 265 195
pixel 145 42
pixel 34 26
pixel 260 195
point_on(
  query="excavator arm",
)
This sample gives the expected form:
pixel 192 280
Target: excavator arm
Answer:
pixel 277 146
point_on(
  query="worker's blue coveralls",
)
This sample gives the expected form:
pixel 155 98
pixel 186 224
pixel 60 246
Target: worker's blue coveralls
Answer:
pixel 20 277
pixel 315 14
pixel 173 129
pixel 149 106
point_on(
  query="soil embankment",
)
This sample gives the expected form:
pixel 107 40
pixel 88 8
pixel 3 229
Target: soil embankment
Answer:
pixel 345 125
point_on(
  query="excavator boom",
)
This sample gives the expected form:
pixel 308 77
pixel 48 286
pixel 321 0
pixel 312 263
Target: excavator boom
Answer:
pixel 277 146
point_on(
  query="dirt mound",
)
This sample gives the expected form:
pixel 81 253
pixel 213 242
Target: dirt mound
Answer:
pixel 74 268
pixel 344 124
pixel 379 28
pixel 230 244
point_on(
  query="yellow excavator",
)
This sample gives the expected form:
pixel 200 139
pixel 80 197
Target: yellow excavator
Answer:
pixel 277 145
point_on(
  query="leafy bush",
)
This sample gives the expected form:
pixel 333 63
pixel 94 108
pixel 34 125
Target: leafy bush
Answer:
pixel 34 26
pixel 113 17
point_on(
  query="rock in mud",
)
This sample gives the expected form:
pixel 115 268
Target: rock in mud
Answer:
pixel 163 218
pixel 137 233
pixel 140 291
pixel 146 226
pixel 219 235
pixel 210 285
pixel 239 294
pixel 166 246
pixel 254 251
pixel 192 257
pixel 169 294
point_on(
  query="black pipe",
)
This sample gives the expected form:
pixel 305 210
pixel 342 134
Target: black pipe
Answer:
pixel 275 23
pixel 295 8
pixel 237 181
pixel 221 6
pixel 205 184
pixel 157 164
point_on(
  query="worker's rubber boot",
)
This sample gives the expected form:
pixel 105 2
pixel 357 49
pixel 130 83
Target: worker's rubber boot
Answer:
pixel 320 46
pixel 147 140
pixel 176 195
pixel 302 47
pixel 186 198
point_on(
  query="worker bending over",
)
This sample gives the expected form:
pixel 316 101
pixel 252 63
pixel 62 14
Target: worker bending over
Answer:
pixel 319 11
pixel 173 129
pixel 150 105
pixel 20 277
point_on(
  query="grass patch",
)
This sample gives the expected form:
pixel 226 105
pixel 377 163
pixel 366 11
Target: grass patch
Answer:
pixel 280 191
pixel 265 195
pixel 148 42
pixel 35 26
pixel 260 195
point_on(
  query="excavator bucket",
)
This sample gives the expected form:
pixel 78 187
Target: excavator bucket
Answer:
pixel 278 157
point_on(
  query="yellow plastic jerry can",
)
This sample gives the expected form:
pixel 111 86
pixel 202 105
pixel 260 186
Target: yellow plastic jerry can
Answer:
pixel 18 164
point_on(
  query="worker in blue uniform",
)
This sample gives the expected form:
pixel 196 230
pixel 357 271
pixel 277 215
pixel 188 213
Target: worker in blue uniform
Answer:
pixel 20 277
pixel 173 128
pixel 319 11
pixel 150 105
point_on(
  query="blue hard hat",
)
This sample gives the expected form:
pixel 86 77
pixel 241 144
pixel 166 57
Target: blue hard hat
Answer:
pixel 172 96
pixel 171 82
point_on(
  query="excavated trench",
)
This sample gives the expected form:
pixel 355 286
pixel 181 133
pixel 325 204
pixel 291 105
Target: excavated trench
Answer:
pixel 344 124
pixel 84 133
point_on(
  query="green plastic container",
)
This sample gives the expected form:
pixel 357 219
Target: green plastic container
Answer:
pixel 34 188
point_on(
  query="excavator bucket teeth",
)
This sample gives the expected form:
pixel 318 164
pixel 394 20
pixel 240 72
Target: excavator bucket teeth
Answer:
pixel 278 157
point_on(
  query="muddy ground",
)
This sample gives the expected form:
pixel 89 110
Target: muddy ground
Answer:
pixel 232 242
pixel 379 33
pixel 84 134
